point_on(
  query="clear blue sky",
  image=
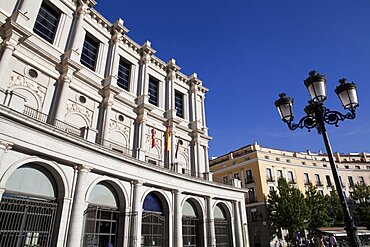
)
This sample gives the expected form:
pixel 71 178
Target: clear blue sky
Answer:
pixel 247 52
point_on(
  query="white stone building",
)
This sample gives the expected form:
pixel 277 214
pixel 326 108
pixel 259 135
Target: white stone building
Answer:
pixel 101 142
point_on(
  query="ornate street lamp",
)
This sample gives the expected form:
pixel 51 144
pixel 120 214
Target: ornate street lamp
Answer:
pixel 317 115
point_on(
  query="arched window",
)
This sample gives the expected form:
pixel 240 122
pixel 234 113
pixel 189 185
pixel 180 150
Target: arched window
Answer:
pixel 28 208
pixel 154 222
pixel 102 218
pixel 191 226
pixel 222 227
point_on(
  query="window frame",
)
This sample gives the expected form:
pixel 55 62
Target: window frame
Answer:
pixel 50 11
pixel 179 100
pixel 153 98
pixel 90 40
pixel 121 81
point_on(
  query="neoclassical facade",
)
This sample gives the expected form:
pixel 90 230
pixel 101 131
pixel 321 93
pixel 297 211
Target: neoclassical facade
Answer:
pixel 101 142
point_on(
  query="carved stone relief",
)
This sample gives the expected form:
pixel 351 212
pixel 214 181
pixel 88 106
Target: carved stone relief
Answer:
pixel 74 107
pixel 22 81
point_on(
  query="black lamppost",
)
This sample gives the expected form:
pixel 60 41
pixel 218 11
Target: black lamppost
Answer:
pixel 317 115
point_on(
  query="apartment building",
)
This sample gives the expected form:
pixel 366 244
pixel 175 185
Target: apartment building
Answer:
pixel 258 169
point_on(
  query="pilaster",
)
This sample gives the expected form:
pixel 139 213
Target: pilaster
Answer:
pixel 78 207
pixel 136 214
pixel 63 89
pixel 237 223
pixel 211 237
pixel 9 47
pixel 178 218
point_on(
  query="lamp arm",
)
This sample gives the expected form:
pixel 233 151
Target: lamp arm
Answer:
pixel 308 122
pixel 333 117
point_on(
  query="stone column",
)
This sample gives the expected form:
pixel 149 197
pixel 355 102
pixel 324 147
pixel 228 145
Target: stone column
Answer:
pixel 238 226
pixel 9 48
pixel 146 52
pixel 118 31
pixel 172 69
pixel 211 238
pixel 178 218
pixel 78 208
pixel 136 215
pixel 107 116
pixel 81 11
pixel 60 110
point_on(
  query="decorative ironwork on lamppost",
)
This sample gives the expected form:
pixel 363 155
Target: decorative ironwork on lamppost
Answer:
pixel 317 115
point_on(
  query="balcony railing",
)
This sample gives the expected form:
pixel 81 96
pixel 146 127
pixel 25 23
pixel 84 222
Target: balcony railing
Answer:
pixel 113 146
pixel 52 121
pixel 270 179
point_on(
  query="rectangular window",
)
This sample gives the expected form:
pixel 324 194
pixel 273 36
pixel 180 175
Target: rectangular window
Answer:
pixel 46 22
pixel 350 181
pixel 251 195
pixel 277 159
pixel 362 180
pixel 249 176
pixel 357 167
pixel 306 178
pixel 271 188
pixel 341 182
pixel 317 180
pixel 328 181
pixel 225 180
pixel 179 104
pixel 280 173
pixel 124 71
pixel 89 52
pixel 237 176
pixel 291 177
pixel 153 91
pixel 269 175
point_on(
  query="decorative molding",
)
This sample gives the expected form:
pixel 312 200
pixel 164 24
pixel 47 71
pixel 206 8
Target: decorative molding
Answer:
pixel 22 81
pixel 114 125
pixel 74 107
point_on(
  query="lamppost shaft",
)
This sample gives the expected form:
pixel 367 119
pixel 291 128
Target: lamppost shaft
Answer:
pixel 350 228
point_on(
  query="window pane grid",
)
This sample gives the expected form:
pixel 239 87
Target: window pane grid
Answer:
pixel 153 92
pixel 89 53
pixel 179 104
pixel 46 23
pixel 124 75
pixel 100 226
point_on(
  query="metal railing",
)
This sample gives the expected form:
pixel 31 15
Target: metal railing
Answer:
pixel 30 112
pixel 116 147
pixel 113 146
pixel 26 221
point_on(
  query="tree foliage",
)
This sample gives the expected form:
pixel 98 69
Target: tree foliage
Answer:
pixel 335 209
pixel 318 206
pixel 288 208
pixel 361 195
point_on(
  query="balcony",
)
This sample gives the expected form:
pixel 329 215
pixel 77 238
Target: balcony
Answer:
pixel 86 135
